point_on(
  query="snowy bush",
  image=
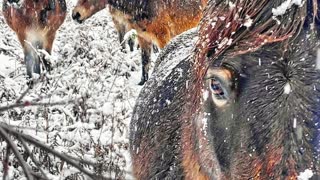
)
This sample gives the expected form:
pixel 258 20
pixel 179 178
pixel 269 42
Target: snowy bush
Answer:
pixel 82 108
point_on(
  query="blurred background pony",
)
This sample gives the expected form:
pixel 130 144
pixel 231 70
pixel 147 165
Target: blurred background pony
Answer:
pixel 85 9
pixel 35 22
pixel 155 21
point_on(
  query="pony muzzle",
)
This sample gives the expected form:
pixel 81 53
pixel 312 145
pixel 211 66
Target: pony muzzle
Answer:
pixel 77 17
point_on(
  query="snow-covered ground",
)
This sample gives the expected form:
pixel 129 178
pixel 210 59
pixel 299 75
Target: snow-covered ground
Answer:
pixel 88 68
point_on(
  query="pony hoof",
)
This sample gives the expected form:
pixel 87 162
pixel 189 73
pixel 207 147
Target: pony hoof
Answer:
pixel 30 83
pixel 48 67
pixel 141 83
pixel 155 49
pixel 124 50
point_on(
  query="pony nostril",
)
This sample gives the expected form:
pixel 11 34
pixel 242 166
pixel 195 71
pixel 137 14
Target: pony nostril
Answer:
pixel 76 17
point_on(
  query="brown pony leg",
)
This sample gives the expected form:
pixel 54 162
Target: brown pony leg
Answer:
pixel 121 29
pixel 31 58
pixel 145 58
pixel 131 43
pixel 48 48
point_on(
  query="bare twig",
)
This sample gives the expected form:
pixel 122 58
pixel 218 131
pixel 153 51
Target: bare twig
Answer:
pixel 31 46
pixel 27 103
pixel 23 94
pixel 6 163
pixel 27 90
pixel 68 114
pixel 63 157
pixel 15 150
pixel 83 161
pixel 112 85
pixel 37 176
pixel 32 157
pixel 118 49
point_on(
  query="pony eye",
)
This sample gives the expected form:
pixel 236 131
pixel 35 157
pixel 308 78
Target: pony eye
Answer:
pixel 220 84
pixel 217 90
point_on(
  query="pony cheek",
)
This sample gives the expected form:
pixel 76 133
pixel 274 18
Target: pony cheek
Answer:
pixel 203 138
pixel 316 139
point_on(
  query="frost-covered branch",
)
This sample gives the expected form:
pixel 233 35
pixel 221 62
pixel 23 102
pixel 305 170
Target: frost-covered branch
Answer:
pixel 6 162
pixel 87 61
pixel 16 152
pixel 27 103
pixel 70 160
pixel 36 162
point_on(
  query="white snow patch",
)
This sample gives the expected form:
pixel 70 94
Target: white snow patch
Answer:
pixel 294 122
pixel 259 61
pixel 280 10
pixel 205 125
pixel 107 108
pixel 6 65
pixel 205 95
pixel 232 5
pixel 287 88
pixel 248 22
pixel 318 60
pixel 130 34
pixel 168 101
pixel 307 174
pixel 225 41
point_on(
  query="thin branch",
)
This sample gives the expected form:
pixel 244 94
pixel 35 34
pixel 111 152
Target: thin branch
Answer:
pixel 37 176
pixel 83 161
pixel 23 94
pixel 16 152
pixel 27 90
pixel 68 114
pixel 27 103
pixel 63 157
pixel 131 34
pixel 31 46
pixel 6 163
pixel 112 85
pixel 32 157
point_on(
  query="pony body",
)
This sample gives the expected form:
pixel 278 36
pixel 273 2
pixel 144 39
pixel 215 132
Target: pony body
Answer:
pixel 155 21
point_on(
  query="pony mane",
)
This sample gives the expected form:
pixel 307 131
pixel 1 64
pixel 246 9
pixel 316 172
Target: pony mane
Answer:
pixel 247 25
pixel 138 9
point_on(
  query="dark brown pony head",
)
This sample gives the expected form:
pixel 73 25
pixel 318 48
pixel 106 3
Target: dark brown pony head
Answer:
pixel 244 105
pixel 35 23
pixel 254 106
pixel 86 8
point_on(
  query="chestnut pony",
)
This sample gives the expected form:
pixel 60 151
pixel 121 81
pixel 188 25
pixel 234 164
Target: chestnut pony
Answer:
pixel 35 22
pixel 155 21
